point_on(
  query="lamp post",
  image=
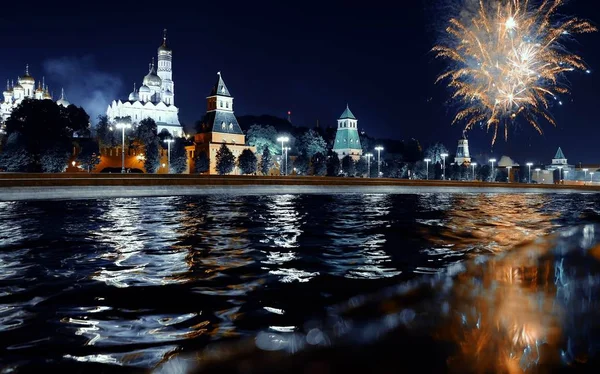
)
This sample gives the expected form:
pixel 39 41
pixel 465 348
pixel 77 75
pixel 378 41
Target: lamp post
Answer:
pixel 492 160
pixel 379 149
pixel 473 165
pixel 529 165
pixel 537 170
pixel 427 160
pixel 368 156
pixel 169 141
pixel 444 155
pixel 282 139
pixel 566 175
pixel 591 177
pixel 123 125
pixel 509 169
pixel 585 175
pixel 286 159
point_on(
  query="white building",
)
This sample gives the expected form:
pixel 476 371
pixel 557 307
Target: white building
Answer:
pixel 463 156
pixel 25 89
pixel 155 98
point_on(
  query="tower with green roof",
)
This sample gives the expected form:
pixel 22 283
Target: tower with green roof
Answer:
pixel 347 141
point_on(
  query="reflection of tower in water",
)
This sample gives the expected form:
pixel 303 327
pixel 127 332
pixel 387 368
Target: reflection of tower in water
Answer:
pixel 486 222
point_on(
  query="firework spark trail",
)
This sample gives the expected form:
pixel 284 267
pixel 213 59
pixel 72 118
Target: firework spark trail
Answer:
pixel 508 62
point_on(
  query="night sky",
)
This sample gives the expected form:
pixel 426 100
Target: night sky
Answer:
pixel 308 57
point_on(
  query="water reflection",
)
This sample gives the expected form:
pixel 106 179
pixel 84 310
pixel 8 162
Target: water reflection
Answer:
pixel 362 254
pixel 486 222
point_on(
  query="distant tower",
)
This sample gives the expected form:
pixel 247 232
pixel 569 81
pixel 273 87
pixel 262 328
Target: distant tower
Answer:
pixel 165 71
pixel 559 158
pixel 347 141
pixel 462 152
pixel 289 116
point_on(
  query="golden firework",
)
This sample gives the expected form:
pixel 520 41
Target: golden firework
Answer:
pixel 509 61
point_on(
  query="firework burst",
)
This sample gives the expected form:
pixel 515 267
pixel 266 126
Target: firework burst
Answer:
pixel 508 62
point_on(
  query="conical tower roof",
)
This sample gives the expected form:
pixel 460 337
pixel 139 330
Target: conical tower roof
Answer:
pixel 347 114
pixel 560 155
pixel 220 89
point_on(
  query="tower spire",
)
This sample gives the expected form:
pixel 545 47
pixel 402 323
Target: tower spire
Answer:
pixel 44 82
pixel 133 86
pixel 7 85
pixel 164 36
pixel 26 69
pixel 62 93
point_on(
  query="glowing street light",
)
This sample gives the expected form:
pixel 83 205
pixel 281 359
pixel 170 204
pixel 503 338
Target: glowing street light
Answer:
pixel 529 164
pixel 123 125
pixel 473 165
pixel 492 160
pixel 509 168
pixel 585 175
pixel 169 141
pixel 537 170
pixel 369 156
pixel 427 160
pixel 592 177
pixel 444 155
pixel 379 149
pixel 282 139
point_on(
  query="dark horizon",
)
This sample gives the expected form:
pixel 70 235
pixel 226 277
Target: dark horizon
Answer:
pixel 275 57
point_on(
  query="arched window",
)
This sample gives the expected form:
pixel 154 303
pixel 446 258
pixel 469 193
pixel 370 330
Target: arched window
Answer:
pixel 223 126
pixel 231 126
pixel 227 104
pixel 220 104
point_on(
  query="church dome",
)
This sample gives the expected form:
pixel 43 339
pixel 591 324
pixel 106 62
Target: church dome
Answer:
pixel 134 96
pixel 27 79
pixel 47 95
pixel 152 79
pixel 63 102
pixel 164 48
pixel 144 89
pixel 18 87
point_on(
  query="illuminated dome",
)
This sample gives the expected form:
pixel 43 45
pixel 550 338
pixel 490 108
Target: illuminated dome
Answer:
pixel 47 95
pixel 164 48
pixel 18 87
pixel 144 89
pixel 152 79
pixel 26 78
pixel 8 91
pixel 133 96
pixel 39 90
pixel 63 101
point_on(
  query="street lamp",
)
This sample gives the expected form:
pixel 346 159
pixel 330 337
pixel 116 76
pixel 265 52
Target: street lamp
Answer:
pixel 585 176
pixel 123 125
pixel 592 177
pixel 379 149
pixel 566 175
pixel 286 159
pixel 537 170
pixel 444 155
pixel 473 165
pixel 492 160
pixel 427 160
pixel 169 141
pixel 529 164
pixel 368 156
pixel 282 139
pixel 509 168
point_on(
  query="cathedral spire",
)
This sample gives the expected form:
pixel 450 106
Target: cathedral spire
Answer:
pixel 62 93
pixel 26 69
pixel 44 82
pixel 133 86
pixel 164 37
pixel 7 85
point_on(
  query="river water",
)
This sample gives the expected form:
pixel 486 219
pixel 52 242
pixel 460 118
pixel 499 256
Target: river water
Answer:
pixel 126 283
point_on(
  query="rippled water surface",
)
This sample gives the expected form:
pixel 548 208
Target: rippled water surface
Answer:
pixel 128 282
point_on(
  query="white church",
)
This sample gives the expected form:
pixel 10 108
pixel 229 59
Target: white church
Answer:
pixel 25 89
pixel 155 98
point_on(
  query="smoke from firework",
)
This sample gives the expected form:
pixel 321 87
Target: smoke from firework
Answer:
pixel 85 85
